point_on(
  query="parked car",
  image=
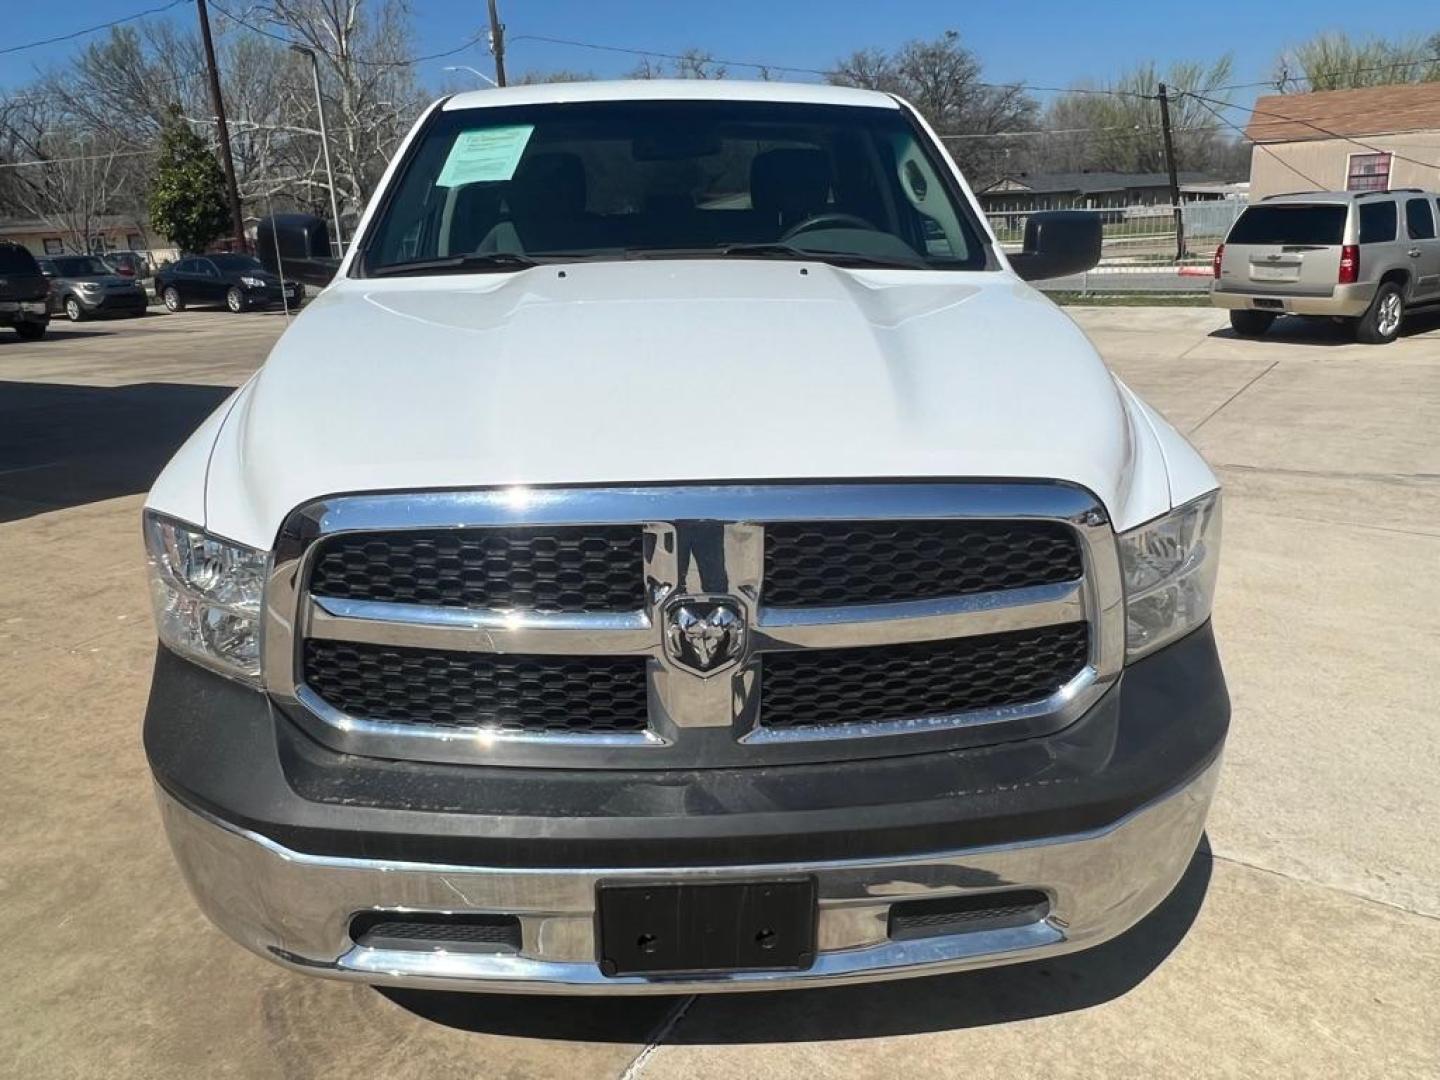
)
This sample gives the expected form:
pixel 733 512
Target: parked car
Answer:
pixel 680 554
pixel 1364 257
pixel 239 282
pixel 83 286
pixel 23 292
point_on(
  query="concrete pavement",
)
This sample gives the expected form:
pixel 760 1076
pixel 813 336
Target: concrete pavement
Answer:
pixel 1304 941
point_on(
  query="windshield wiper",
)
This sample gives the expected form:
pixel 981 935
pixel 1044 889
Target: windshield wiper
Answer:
pixel 473 263
pixel 835 258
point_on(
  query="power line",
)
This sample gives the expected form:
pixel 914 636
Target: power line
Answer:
pixel 822 72
pixel 1036 132
pixel 410 61
pixel 91 29
pixel 1284 78
pixel 77 157
pixel 1216 113
pixel 1316 127
pixel 45 95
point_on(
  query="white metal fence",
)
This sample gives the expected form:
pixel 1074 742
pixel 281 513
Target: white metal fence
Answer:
pixel 1143 233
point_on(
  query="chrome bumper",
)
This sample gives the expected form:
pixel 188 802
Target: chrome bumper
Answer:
pixel 296 909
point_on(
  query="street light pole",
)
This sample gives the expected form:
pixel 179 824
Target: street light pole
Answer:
pixel 473 71
pixel 324 144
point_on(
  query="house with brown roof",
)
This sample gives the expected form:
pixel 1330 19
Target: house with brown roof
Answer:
pixel 1372 139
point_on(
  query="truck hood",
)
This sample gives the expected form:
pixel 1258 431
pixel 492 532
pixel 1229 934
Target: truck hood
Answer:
pixel 646 371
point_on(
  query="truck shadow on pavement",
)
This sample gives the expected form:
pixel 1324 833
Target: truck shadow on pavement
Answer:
pixel 939 1003
pixel 63 445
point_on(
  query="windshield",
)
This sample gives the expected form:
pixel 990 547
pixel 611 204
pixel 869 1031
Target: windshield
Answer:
pixel 80 266
pixel 1296 224
pixel 16 260
pixel 501 187
pixel 244 263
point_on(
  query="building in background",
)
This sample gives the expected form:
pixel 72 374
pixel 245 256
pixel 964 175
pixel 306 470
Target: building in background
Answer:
pixel 1372 139
pixel 1112 192
pixel 108 234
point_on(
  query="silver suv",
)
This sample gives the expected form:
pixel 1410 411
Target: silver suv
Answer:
pixel 1360 256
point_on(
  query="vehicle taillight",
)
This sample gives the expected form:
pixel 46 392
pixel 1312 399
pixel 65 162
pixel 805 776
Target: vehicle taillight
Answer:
pixel 1219 254
pixel 1349 265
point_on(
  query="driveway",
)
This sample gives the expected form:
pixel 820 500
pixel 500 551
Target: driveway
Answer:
pixel 1303 941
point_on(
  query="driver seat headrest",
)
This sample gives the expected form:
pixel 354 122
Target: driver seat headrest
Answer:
pixel 792 183
pixel 549 183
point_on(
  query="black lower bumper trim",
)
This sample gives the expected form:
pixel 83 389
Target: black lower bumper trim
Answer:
pixel 222 748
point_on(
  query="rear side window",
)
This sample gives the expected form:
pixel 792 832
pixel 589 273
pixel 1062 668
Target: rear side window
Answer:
pixel 1377 222
pixel 1419 220
pixel 16 260
pixel 1296 224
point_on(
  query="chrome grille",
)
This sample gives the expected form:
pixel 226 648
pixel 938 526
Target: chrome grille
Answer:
pixel 574 569
pixel 826 563
pixel 823 687
pixel 547 621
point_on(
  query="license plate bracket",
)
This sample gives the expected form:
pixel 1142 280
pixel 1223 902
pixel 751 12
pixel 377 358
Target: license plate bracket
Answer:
pixel 663 928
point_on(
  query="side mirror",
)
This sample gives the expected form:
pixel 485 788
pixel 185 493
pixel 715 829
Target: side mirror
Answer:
pixel 1058 243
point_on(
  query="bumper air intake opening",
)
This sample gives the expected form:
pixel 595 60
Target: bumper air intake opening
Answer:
pixel 413 931
pixel 912 919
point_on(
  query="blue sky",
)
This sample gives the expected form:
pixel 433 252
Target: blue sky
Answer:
pixel 1041 42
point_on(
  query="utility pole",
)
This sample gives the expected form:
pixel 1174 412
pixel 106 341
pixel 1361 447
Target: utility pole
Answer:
pixel 222 130
pixel 305 50
pixel 497 44
pixel 1174 179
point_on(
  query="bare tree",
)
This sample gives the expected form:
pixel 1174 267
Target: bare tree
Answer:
pixel 1115 126
pixel 560 75
pixel 1336 61
pixel 943 79
pixel 66 177
pixel 690 64
pixel 371 98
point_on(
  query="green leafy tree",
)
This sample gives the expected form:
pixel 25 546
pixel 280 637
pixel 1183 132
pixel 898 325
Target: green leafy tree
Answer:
pixel 187 198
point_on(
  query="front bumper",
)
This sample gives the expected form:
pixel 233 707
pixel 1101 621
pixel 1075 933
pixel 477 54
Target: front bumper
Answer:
pixel 284 842
pixel 296 909
pixel 1345 301
pixel 273 294
pixel 131 302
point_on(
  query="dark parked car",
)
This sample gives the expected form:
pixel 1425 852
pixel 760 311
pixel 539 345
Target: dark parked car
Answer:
pixel 239 282
pixel 83 285
pixel 23 292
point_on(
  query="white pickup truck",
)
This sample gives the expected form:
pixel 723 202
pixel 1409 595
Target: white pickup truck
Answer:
pixel 680 553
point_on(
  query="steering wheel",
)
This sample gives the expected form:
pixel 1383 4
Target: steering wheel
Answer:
pixel 823 221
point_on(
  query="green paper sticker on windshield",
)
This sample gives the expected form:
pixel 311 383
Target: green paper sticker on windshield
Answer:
pixel 487 154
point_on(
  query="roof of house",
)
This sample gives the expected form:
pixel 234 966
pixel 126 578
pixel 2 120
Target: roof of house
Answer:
pixel 1092 182
pixel 13 225
pixel 1374 110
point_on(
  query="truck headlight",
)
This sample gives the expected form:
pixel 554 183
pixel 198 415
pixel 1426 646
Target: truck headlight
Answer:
pixel 207 595
pixel 1169 567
